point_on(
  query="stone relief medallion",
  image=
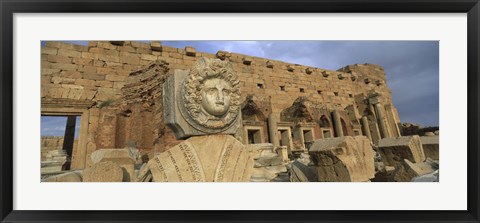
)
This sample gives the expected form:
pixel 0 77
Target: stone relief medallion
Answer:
pixel 210 96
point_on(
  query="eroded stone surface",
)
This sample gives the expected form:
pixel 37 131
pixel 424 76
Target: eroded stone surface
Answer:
pixel 408 170
pixel 74 176
pixel 394 150
pixel 106 171
pixel 122 157
pixel 212 158
pixel 430 146
pixel 343 159
pixel 299 172
pixel 430 177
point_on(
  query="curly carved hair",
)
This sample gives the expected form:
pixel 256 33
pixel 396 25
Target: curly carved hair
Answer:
pixel 203 70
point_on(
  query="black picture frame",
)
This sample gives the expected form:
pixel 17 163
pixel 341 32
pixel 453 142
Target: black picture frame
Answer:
pixel 9 7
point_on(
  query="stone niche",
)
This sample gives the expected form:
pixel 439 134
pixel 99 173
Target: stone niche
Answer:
pixel 254 134
pixel 343 159
pixel 304 133
pixel 284 132
pixel 394 150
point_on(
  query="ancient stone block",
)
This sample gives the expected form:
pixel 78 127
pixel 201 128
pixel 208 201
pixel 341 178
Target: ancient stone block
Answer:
pixel 222 55
pixel 290 68
pixel 430 146
pixel 408 170
pixel 49 50
pixel 429 177
pixel 269 64
pixel 394 150
pixel 343 159
pixel 282 151
pixel 148 57
pixel 94 76
pixel 105 84
pixel 140 45
pixel 190 51
pixel 247 60
pixel 299 172
pixel 69 53
pixel 83 61
pixel 211 158
pixel 107 171
pixel 156 46
pixel 117 43
pixel 114 77
pixel 325 73
pixel 85 82
pixel 74 176
pixel 54 161
pixel 59 59
pixel 309 70
pixel 129 58
pixel 62 80
pixel 121 157
pixel 46 71
pixel 106 45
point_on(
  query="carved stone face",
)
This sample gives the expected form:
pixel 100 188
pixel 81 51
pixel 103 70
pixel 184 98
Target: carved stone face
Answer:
pixel 216 96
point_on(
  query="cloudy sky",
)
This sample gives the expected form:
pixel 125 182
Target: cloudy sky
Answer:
pixel 412 68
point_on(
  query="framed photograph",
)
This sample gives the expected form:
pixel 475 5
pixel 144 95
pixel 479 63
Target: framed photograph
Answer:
pixel 199 111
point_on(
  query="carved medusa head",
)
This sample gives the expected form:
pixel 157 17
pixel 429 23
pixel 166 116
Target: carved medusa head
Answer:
pixel 212 93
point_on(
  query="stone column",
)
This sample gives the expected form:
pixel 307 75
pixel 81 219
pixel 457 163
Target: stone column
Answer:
pixel 273 130
pixel 392 120
pixel 381 121
pixel 366 128
pixel 79 156
pixel 337 124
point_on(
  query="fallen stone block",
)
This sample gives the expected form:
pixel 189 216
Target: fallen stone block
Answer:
pixel 430 177
pixel 394 150
pixel 144 174
pixel 106 171
pixel 430 146
pixel 408 170
pixel 122 157
pixel 305 159
pixel 343 159
pixel 282 151
pixel 300 172
pixel 74 176
pixel 260 149
pixel 262 175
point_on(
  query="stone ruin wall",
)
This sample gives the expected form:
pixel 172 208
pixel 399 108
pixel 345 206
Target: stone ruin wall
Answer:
pixel 52 143
pixel 88 81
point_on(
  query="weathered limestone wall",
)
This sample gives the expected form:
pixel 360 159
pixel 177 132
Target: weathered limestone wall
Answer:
pixel 88 81
pixel 97 72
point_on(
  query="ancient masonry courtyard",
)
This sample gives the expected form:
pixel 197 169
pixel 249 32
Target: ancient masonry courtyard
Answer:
pixel 154 113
